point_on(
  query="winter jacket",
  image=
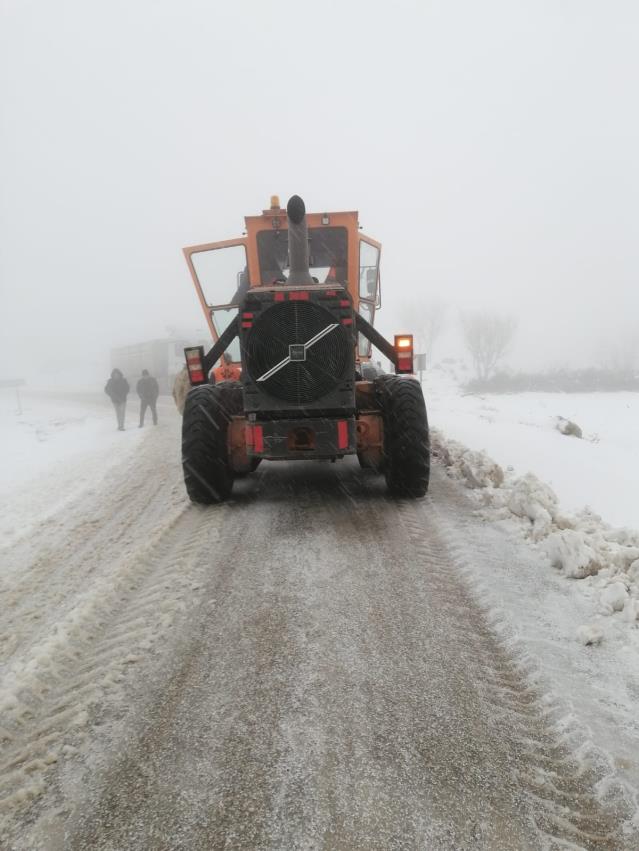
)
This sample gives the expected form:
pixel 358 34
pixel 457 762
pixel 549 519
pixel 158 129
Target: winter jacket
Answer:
pixel 148 389
pixel 117 389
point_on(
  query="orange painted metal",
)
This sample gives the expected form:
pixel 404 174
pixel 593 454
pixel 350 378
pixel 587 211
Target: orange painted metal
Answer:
pixel 370 438
pixel 370 426
pixel 236 444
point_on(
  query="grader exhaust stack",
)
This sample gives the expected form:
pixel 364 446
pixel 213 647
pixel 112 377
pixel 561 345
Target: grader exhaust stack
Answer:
pixel 299 273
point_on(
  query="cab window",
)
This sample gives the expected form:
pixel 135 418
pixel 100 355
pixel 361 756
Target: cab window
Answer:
pixel 368 270
pixel 222 318
pixel 222 273
pixel 328 253
pixel 368 312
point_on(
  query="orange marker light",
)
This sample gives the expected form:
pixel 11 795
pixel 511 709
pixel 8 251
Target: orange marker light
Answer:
pixel 404 350
pixel 404 342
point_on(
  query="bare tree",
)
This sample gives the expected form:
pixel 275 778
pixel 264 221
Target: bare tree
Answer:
pixel 426 319
pixel 487 338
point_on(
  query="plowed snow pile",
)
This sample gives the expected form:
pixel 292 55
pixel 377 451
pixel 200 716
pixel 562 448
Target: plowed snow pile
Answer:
pixel 582 546
pixel 570 487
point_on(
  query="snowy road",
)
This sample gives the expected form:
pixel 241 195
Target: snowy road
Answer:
pixel 305 667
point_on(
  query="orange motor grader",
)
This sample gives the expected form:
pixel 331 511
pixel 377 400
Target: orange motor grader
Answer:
pixel 293 302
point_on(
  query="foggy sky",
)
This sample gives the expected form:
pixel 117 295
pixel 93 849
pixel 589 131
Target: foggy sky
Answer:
pixel 491 146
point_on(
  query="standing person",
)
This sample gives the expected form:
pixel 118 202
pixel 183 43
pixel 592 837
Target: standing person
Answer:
pixel 148 391
pixel 226 371
pixel 117 389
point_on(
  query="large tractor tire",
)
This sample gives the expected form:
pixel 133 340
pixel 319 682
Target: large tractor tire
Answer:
pixel 406 461
pixel 207 413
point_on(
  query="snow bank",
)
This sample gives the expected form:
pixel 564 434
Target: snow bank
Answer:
pixel 525 431
pixel 603 560
pixel 476 468
pixel 569 551
pixel 589 635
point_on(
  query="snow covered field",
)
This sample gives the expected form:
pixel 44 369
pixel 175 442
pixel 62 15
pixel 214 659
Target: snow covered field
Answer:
pixel 519 431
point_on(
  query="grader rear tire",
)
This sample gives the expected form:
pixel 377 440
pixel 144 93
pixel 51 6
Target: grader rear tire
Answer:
pixel 406 462
pixel 208 476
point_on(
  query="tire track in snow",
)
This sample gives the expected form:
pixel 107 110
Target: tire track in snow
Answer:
pixel 44 701
pixel 308 716
pixel 350 751
pixel 559 784
pixel 105 585
pixel 74 547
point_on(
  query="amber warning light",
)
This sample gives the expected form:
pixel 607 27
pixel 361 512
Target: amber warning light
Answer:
pixel 404 352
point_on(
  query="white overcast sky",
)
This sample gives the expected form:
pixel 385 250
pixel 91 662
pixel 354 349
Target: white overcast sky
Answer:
pixel 491 146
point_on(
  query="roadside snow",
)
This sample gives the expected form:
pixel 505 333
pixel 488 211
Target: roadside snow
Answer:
pixel 521 431
pixel 589 635
pixel 581 546
pixel 524 465
pixel 53 451
pixel 567 602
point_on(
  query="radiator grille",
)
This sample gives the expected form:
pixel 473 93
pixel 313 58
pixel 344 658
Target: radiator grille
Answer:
pixel 290 323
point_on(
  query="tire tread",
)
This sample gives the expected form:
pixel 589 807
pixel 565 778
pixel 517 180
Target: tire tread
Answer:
pixel 208 476
pixel 406 462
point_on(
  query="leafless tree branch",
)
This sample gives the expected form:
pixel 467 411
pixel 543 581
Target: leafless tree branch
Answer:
pixel 487 337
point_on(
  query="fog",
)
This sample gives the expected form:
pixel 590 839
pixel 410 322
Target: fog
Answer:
pixel 491 147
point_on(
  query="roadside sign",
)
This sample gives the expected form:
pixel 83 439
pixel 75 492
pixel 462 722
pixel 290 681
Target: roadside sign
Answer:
pixel 419 365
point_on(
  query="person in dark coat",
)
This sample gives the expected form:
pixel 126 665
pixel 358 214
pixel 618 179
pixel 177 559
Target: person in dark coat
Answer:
pixel 117 389
pixel 148 391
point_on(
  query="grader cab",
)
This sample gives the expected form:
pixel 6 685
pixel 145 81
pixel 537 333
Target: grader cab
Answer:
pixel 293 303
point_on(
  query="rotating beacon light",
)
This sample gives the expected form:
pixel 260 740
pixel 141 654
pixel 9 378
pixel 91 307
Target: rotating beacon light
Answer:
pixel 404 354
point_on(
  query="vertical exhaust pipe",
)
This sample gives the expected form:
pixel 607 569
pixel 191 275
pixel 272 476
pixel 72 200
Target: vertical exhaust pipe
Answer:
pixel 299 272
